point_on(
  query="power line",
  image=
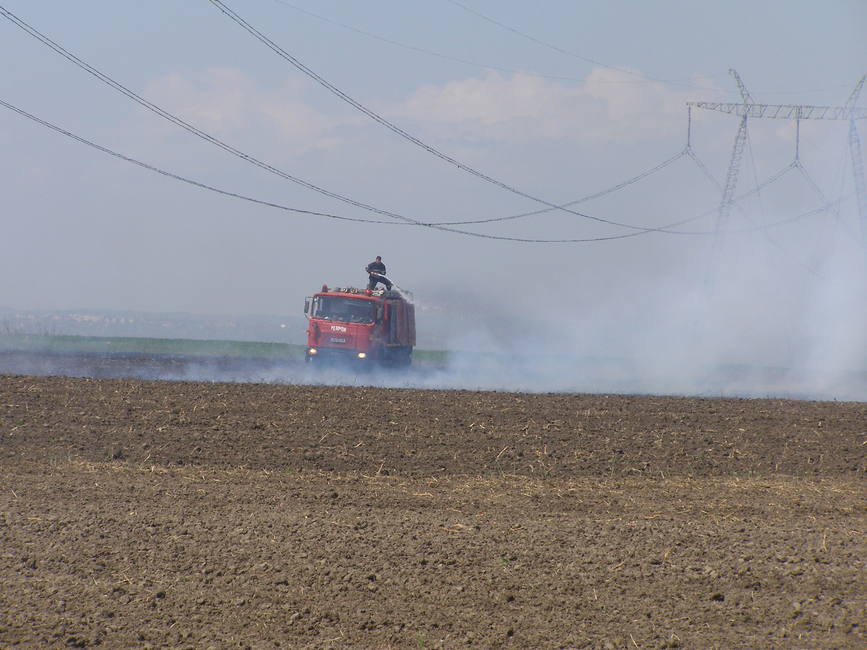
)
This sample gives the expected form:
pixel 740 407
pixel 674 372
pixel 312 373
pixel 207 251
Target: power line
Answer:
pixel 668 228
pixel 750 109
pixel 279 206
pixel 589 197
pixel 421 50
pixel 642 76
pixel 448 57
pixel 796 164
pixel 185 125
pixel 444 226
pixel 561 50
pixel 285 208
pixel 274 47
pixel 499 68
pixel 399 131
pixel 173 175
pixel 688 151
pixel 252 160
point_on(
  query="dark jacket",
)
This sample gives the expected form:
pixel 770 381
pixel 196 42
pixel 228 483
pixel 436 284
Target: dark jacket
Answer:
pixel 375 267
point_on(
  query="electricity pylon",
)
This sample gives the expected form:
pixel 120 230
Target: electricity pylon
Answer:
pixel 748 108
pixel 858 161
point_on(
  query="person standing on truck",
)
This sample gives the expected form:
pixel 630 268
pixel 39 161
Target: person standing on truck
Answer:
pixel 376 274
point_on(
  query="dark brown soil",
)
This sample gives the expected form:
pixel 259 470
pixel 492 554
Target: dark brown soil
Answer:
pixel 161 514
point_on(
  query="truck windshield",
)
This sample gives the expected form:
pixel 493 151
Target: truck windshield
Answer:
pixel 348 310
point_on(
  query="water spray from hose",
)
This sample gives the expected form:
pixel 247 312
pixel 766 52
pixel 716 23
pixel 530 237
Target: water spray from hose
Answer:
pixel 404 292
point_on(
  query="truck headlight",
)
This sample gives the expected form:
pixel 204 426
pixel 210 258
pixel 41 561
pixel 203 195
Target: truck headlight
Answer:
pixel 313 351
pixel 362 355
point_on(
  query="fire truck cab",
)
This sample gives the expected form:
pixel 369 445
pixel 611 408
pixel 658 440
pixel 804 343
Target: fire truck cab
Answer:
pixel 360 326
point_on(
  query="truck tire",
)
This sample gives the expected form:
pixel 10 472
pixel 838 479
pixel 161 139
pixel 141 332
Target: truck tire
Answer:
pixel 402 357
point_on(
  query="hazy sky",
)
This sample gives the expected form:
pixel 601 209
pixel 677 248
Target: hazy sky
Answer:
pixel 556 100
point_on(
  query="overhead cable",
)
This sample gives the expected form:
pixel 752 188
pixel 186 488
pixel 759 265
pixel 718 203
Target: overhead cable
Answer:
pixel 639 75
pixel 274 47
pixel 757 191
pixel 444 226
pixel 421 50
pixel 448 57
pixel 185 125
pixel 561 50
pixel 278 206
pixel 248 158
pixel 173 175
pixel 589 197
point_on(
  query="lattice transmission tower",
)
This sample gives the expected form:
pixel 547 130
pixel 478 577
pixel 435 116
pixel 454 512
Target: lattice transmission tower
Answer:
pixel 749 109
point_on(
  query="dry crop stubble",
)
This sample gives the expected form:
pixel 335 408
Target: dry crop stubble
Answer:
pixel 315 516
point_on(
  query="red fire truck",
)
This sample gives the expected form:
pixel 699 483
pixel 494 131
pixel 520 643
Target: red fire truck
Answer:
pixel 360 326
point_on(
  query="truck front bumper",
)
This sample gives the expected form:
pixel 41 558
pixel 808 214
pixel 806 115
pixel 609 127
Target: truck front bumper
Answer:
pixel 335 355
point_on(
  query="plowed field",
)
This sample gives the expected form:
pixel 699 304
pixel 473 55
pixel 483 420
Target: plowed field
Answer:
pixel 169 514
